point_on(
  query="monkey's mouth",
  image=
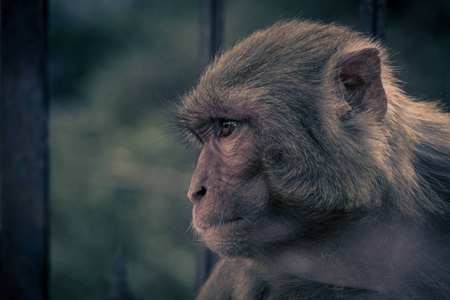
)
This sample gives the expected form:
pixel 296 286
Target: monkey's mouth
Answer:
pixel 203 226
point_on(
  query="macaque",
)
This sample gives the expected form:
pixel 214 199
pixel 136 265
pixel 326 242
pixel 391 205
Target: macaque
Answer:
pixel 318 177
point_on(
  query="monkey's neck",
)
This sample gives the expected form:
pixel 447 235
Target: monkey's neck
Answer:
pixel 376 257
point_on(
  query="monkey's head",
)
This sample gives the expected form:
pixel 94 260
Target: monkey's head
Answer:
pixel 290 124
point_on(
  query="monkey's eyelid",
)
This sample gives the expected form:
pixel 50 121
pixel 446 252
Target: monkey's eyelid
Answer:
pixel 221 121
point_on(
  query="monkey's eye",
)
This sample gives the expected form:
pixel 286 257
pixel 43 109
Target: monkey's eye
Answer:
pixel 227 127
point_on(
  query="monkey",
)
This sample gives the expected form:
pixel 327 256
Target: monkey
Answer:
pixel 318 177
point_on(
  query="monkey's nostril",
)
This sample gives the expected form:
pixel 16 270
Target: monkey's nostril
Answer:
pixel 202 191
pixel 199 195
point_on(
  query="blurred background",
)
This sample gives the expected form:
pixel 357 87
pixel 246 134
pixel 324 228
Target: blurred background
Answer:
pixel 119 176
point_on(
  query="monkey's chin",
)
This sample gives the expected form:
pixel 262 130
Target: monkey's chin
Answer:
pixel 228 239
pixel 242 237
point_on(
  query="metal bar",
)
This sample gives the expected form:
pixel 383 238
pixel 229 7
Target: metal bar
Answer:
pixel 211 30
pixel 24 157
pixel 120 289
pixel 380 17
pixel 373 17
pixel 211 39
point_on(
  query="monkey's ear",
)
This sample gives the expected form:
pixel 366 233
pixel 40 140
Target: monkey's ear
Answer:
pixel 360 85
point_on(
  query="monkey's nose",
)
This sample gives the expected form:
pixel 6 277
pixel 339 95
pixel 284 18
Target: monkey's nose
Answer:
pixel 198 195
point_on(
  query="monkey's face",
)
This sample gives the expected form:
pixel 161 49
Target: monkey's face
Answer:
pixel 228 190
pixel 290 131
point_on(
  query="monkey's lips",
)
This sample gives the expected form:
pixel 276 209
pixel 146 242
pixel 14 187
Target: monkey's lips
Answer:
pixel 216 224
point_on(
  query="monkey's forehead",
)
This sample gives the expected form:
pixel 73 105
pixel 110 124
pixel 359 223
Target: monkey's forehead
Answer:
pixel 203 105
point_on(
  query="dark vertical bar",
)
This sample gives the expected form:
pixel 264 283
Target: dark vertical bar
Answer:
pixel 373 17
pixel 120 289
pixel 24 157
pixel 211 38
pixel 205 261
pixel 211 30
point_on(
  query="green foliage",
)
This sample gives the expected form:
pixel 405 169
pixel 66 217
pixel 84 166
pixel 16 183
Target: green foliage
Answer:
pixel 119 176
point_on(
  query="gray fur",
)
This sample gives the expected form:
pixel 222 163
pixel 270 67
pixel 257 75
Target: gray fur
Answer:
pixel 325 170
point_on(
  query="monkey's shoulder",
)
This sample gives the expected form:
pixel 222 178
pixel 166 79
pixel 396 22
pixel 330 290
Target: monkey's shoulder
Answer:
pixel 237 279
